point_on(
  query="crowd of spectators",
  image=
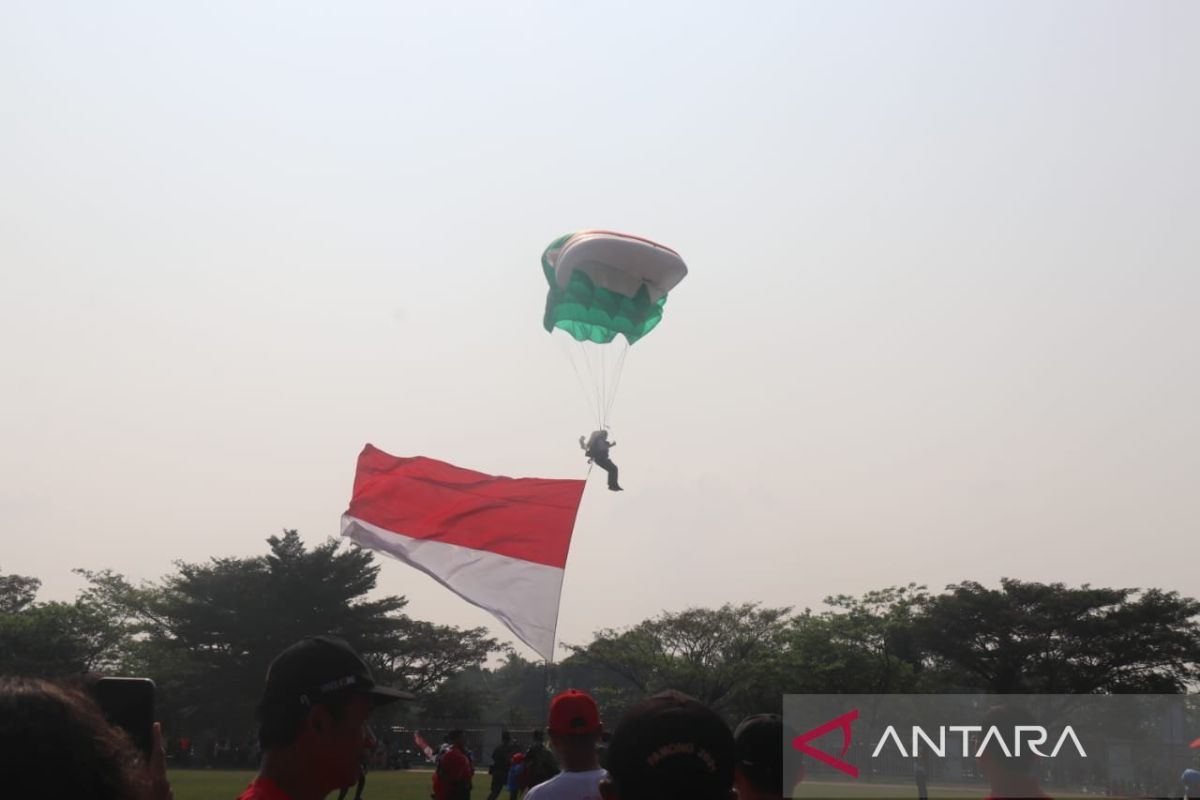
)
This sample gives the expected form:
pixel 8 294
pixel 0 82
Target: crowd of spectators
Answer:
pixel 314 738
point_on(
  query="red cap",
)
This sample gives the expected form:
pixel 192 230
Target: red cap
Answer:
pixel 574 711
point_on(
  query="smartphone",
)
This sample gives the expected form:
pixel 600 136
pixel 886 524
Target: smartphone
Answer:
pixel 128 703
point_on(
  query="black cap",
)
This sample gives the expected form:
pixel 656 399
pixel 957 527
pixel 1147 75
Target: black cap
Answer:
pixel 759 743
pixel 318 667
pixel 671 746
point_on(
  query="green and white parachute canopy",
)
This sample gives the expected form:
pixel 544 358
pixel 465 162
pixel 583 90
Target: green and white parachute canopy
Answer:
pixel 604 285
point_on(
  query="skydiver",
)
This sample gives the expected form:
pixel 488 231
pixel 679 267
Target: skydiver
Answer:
pixel 596 449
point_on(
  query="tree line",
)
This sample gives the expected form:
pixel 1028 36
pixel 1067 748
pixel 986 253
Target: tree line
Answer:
pixel 206 632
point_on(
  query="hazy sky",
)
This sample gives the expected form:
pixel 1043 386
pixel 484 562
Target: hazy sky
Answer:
pixel 941 323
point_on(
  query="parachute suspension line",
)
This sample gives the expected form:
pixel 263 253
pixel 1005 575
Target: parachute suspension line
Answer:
pixel 589 387
pixel 598 361
pixel 604 367
pixel 601 361
pixel 593 373
pixel 603 383
pixel 616 382
pixel 603 386
pixel 575 368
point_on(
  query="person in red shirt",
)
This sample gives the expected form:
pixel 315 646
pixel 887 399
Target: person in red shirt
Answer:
pixel 452 778
pixel 313 720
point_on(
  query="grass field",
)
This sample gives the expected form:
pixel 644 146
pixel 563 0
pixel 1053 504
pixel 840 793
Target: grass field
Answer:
pixel 203 784
pixel 863 789
pixel 218 784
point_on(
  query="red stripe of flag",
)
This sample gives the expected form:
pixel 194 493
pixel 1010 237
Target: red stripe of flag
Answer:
pixel 524 518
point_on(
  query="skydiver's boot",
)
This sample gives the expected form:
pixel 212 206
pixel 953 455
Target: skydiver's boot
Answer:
pixel 608 466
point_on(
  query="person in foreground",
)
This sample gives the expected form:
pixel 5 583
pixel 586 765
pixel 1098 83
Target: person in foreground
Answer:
pixel 758 773
pixel 1009 776
pixel 312 719
pixel 55 742
pixel 670 747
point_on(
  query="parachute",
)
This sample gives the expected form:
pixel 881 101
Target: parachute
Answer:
pixel 605 285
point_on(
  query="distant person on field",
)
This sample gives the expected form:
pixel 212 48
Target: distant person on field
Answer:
pixel 1191 784
pixel 358 789
pixel 516 775
pixel 540 764
pixel 452 777
pixel 921 775
pixel 501 761
pixel 602 748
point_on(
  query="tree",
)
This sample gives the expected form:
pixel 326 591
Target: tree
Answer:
pixel 1034 637
pixel 42 640
pixel 50 639
pixel 712 654
pixel 208 632
pixel 878 628
pixel 456 700
pixel 516 690
pixel 421 655
pixel 16 592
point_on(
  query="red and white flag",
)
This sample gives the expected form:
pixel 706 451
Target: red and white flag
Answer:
pixel 500 543
pixel 423 745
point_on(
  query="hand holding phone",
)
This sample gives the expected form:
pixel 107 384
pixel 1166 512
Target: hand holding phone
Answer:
pixel 128 703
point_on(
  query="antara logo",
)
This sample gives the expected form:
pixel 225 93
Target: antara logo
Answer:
pixel 1033 736
pixel 841 723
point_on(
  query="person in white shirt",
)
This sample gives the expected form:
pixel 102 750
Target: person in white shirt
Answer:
pixel 574 727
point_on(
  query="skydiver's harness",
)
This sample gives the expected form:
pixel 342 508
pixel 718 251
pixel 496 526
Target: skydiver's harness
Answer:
pixel 587 451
